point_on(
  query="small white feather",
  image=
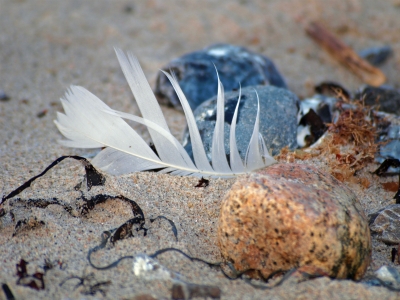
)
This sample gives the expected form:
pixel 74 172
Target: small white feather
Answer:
pixel 235 160
pixel 90 123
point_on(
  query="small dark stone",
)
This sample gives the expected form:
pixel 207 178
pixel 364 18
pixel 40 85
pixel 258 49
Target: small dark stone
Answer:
pixel 388 99
pixel 4 96
pixel 278 119
pixel 376 55
pixel 198 79
pixel 129 8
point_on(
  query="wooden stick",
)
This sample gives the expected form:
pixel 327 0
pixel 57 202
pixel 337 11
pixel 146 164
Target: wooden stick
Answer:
pixel 345 55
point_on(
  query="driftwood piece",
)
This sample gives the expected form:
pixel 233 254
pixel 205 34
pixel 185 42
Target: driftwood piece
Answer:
pixel 345 55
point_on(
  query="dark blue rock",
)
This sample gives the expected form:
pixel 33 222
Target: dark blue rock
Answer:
pixel 387 98
pixel 198 79
pixel 278 119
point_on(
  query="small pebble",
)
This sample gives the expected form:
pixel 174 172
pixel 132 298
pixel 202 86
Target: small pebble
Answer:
pixel 386 223
pixel 278 123
pixel 389 275
pixel 376 55
pixel 291 215
pixel 150 269
pixel 198 78
pixel 4 96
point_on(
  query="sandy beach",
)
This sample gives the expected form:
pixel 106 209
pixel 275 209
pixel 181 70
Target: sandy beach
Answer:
pixel 46 46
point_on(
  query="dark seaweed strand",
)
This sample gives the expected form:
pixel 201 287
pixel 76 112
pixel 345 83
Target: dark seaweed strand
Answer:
pixel 237 275
pixel 93 176
pixel 118 233
pixel 7 291
pixel 173 227
pixel 390 162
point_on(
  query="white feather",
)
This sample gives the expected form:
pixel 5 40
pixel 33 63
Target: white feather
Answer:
pixel 90 123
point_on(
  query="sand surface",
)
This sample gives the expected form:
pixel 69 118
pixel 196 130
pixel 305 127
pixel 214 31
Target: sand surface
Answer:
pixel 45 46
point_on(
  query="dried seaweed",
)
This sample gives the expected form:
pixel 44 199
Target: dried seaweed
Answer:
pixel 7 292
pixel 93 177
pixel 89 283
pixel 29 223
pixel 173 227
pixel 349 144
pixel 202 183
pixel 34 281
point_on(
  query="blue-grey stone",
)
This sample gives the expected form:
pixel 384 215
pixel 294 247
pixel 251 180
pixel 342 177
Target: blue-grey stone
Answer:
pixel 198 78
pixel 389 275
pixel 278 119
pixel 376 55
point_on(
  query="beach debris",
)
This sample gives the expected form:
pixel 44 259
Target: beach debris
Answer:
pixel 49 265
pixel 314 115
pixel 7 292
pixel 202 183
pixel 278 125
pixel 345 55
pixel 291 215
pixel 29 223
pixel 376 55
pixel 42 113
pixel 311 128
pixel 197 77
pixel 386 223
pixel 332 89
pixel 150 269
pixel 89 284
pixel 92 178
pixel 34 281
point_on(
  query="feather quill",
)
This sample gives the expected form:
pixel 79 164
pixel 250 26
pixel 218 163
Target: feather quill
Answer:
pixel 90 123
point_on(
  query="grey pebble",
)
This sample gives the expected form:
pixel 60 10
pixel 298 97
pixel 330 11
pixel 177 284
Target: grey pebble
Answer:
pixel 386 223
pixel 278 119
